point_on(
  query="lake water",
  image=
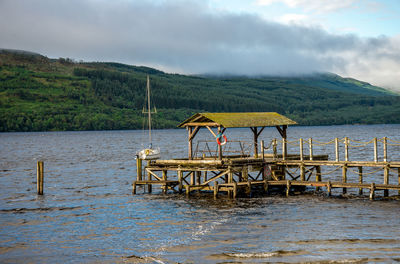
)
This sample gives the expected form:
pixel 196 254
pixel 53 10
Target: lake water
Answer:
pixel 88 214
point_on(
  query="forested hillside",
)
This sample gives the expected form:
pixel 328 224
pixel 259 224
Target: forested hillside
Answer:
pixel 40 94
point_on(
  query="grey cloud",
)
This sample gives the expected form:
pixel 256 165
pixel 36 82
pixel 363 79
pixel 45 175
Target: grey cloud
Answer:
pixel 182 36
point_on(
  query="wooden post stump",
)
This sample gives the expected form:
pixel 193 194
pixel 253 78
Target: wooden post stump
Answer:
pixel 360 179
pixel 288 185
pixel 216 189
pixel 40 177
pixel 372 191
pixel 329 188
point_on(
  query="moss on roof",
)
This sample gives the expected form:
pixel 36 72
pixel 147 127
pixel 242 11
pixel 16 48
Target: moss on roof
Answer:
pixel 253 119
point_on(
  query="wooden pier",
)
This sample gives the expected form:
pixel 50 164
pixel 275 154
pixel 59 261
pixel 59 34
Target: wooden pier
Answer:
pixel 264 167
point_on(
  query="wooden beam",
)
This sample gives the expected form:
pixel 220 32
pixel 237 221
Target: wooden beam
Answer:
pixel 219 175
pixel 261 130
pixel 212 132
pixel 194 132
pixel 211 124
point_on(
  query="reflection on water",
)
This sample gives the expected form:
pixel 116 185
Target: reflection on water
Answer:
pixel 88 213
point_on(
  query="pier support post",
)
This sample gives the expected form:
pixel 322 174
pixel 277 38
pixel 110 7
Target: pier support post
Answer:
pixel 329 188
pixel 360 179
pixel 372 191
pixel 134 188
pixel 288 185
pixel 216 189
pixel 234 190
pixel 344 177
pixel 386 180
pixel 266 186
pixel 375 149
pixel 245 174
pixel 180 179
pixel 192 178
pixel 249 188
pixel 39 177
pixel 274 148
pixel 310 148
pixel 187 187
pixel 149 178
pixel 164 178
pixel 138 169
pixel 198 177
pixel 302 172
pixel 317 176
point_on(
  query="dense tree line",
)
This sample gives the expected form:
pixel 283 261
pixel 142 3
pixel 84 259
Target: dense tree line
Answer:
pixel 65 95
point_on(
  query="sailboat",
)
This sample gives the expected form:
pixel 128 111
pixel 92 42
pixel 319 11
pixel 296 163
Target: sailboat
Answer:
pixel 149 153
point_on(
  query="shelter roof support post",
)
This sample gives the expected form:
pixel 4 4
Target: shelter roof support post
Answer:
pixel 255 141
pixel 190 151
pixel 191 134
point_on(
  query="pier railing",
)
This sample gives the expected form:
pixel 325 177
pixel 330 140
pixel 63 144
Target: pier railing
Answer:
pixel 344 149
pixel 209 149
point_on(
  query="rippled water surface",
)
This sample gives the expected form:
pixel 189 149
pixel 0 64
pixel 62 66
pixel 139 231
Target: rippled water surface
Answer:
pixel 89 215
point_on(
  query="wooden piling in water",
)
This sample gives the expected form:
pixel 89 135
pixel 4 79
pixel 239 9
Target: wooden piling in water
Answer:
pixel 360 179
pixel 216 189
pixel 149 178
pixel 344 177
pixel 138 169
pixel 317 176
pixel 288 185
pixel 329 188
pixel 39 177
pixel 372 191
pixel 386 180
pixel 180 179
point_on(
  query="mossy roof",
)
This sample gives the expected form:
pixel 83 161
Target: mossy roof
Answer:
pixel 253 119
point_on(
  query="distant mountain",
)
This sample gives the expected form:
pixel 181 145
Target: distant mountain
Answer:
pixel 38 93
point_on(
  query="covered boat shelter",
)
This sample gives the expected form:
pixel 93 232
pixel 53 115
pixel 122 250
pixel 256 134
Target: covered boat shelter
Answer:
pixel 256 121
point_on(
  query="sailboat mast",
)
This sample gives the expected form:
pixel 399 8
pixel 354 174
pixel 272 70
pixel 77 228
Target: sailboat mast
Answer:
pixel 148 107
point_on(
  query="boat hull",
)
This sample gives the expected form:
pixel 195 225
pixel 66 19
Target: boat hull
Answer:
pixel 149 154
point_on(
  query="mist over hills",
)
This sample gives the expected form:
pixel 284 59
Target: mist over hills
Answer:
pixel 40 94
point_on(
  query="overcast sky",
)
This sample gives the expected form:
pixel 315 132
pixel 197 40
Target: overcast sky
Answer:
pixel 353 38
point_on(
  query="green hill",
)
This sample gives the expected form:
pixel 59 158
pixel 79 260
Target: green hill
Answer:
pixel 40 94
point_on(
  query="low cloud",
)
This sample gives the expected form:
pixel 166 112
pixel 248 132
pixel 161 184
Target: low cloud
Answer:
pixel 187 37
pixel 312 5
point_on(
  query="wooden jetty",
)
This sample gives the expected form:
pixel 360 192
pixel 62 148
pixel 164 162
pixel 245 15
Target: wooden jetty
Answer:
pixel 260 167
